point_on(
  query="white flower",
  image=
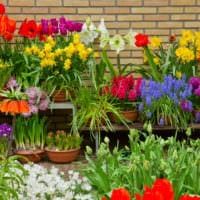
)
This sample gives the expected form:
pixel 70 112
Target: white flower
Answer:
pixel 117 43
pixel 87 35
pixel 104 40
pixel 130 38
pixel 102 28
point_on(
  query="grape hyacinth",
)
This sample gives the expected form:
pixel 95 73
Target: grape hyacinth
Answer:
pixel 162 97
pixel 5 130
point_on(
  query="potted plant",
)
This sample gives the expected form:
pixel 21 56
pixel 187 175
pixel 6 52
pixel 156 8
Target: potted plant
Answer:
pixel 62 57
pixel 30 133
pixel 62 147
pixel 125 93
pixel 92 110
pixel 167 102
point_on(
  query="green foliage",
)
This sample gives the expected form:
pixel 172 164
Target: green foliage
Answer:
pixel 30 132
pixel 63 141
pixel 144 161
pixel 10 179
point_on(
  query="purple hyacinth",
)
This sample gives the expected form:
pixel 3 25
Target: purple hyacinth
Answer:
pixel 161 121
pixel 5 130
pixel 140 107
pixel 197 117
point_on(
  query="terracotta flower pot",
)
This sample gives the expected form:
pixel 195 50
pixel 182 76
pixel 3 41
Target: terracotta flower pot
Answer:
pixel 32 156
pixel 62 156
pixel 129 115
pixel 59 96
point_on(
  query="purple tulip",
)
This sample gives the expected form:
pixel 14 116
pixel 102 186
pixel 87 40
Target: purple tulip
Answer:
pixel 45 26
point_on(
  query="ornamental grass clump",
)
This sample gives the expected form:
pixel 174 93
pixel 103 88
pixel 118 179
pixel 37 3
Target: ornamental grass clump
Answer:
pixel 167 102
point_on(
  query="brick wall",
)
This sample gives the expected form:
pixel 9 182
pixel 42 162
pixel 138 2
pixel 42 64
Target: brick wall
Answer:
pixel 152 17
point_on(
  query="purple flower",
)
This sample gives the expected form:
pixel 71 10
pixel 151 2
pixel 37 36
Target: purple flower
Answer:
pixel 5 130
pixel 161 121
pixel 33 92
pixel 12 83
pixel 195 82
pixel 197 117
pixel 33 109
pixel 78 26
pixel 32 101
pixel 54 23
pixel 70 25
pixel 140 107
pixel 186 105
pixel 44 104
pixel 197 91
pixel 45 26
pixel 149 114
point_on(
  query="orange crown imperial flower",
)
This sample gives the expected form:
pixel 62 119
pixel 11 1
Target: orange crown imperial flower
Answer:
pixel 14 106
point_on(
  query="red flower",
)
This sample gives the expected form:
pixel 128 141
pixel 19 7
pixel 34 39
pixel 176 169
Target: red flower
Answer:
pixel 161 190
pixel 120 194
pixel 103 198
pixel 141 40
pixel 28 29
pixel 172 38
pixel 2 9
pixel 188 197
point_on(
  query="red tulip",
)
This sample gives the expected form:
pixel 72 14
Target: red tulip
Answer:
pixel 141 40
pixel 120 193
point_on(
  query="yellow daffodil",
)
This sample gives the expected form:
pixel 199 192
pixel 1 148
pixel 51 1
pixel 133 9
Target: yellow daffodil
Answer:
pixel 184 54
pixel 178 74
pixel 67 64
pixel 155 42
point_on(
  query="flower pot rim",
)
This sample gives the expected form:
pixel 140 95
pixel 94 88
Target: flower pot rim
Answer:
pixel 28 151
pixel 56 150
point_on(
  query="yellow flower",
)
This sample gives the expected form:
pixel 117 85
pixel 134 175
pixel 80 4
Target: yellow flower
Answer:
pixel 47 48
pixel 58 52
pixel 67 64
pixel 96 55
pixel 51 41
pixel 156 61
pixel 35 49
pixel 185 54
pixel 186 38
pixel 83 55
pixel 155 42
pixel 69 50
pixel 28 51
pixel 41 54
pixel 178 74
pixel 76 38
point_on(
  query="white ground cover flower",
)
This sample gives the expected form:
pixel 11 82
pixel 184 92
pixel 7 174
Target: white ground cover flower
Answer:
pixel 44 184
